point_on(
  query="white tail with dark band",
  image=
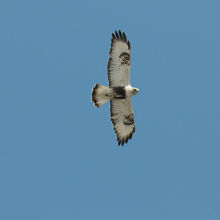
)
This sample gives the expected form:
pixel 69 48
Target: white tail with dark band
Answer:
pixel 100 95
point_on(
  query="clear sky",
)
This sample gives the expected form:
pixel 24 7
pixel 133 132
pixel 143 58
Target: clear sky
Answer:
pixel 59 157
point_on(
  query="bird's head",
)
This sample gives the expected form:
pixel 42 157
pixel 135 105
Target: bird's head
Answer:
pixel 135 91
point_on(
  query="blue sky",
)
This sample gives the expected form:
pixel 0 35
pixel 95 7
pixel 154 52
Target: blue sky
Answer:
pixel 59 157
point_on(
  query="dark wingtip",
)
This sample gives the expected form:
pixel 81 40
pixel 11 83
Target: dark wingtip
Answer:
pixel 116 34
pixel 125 140
pixel 124 36
pixel 120 34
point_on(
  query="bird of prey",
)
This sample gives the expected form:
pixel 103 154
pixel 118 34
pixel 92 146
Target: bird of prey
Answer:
pixel 119 91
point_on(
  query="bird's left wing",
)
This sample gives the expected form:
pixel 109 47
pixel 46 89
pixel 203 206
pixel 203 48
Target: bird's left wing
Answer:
pixel 122 118
pixel 118 67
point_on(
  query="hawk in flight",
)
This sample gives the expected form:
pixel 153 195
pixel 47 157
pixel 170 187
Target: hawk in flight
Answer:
pixel 119 91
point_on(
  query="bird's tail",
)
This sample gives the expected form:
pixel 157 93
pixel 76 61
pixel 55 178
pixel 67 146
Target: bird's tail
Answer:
pixel 100 95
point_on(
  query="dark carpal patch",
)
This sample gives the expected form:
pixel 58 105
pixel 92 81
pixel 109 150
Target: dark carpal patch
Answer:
pixel 128 119
pixel 125 58
pixel 124 54
pixel 119 92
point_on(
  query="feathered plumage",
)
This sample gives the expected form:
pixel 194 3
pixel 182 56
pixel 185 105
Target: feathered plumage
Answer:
pixel 119 91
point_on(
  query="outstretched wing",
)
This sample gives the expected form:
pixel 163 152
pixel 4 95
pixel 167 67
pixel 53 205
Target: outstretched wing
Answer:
pixel 122 118
pixel 118 67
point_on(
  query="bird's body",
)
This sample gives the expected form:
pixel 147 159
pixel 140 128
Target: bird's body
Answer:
pixel 119 91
